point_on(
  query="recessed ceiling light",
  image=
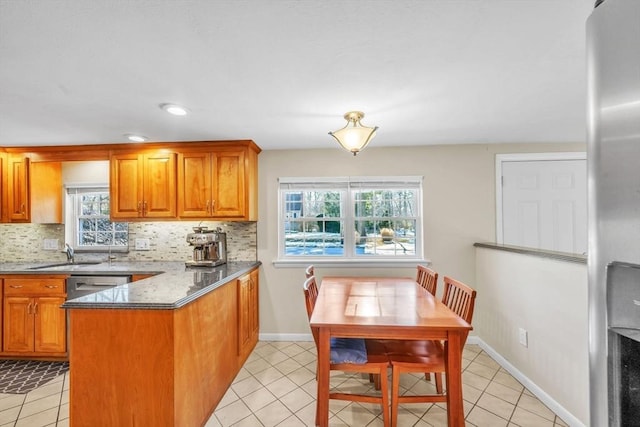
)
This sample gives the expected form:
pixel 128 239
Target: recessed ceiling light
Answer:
pixel 135 138
pixel 176 110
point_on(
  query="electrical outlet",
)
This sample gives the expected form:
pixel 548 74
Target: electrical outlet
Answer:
pixel 50 244
pixel 522 337
pixel 143 245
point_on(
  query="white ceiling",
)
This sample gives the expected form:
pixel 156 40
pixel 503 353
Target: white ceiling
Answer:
pixel 283 72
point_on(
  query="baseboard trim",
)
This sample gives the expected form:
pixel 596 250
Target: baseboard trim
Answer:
pixel 285 337
pixel 552 404
pixel 558 409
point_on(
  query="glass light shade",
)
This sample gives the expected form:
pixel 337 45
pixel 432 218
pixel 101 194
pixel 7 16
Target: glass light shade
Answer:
pixel 354 137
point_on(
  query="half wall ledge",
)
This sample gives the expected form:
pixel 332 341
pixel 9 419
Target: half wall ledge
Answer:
pixel 542 253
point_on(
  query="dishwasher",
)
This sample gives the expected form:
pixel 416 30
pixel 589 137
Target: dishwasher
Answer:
pixel 79 286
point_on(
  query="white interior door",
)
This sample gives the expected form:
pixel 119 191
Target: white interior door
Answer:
pixel 544 204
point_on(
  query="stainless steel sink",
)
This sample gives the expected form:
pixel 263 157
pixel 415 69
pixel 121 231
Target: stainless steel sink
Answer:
pixel 67 264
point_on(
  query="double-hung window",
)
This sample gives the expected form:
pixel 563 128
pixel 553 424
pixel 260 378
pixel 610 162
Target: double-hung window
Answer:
pixel 350 219
pixel 90 227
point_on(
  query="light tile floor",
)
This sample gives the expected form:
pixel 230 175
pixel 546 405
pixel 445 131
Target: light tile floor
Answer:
pixel 276 387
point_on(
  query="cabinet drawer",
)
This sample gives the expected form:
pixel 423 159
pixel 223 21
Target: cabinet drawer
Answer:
pixel 34 286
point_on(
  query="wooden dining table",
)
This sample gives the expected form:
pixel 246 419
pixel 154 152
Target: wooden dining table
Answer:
pixel 387 308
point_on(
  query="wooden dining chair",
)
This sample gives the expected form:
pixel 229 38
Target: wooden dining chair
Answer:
pixel 429 356
pixel 310 271
pixel 427 278
pixel 376 363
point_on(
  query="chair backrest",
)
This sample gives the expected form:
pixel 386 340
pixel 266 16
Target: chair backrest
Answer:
pixel 427 278
pixel 459 297
pixel 310 296
pixel 309 271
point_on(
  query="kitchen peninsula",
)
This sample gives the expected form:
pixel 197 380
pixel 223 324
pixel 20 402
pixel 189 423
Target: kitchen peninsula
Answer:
pixel 160 351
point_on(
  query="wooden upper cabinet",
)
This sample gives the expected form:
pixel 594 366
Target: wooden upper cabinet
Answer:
pixel 217 184
pixel 228 186
pixel 143 185
pixel 32 191
pixel 159 185
pixel 3 186
pixel 194 185
pixel 215 180
pixel 46 192
pixel 18 189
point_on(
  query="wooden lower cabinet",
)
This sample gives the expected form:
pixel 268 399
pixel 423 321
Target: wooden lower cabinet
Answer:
pixel 154 367
pixel 136 277
pixel 33 322
pixel 248 325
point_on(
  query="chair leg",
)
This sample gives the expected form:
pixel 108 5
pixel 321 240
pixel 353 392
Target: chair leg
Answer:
pixel 383 382
pixel 395 393
pixel 438 376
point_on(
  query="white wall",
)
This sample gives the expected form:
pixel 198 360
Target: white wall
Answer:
pixel 548 298
pixel 459 209
pixel 90 172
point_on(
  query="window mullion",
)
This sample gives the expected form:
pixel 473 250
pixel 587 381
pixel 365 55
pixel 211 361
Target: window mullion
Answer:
pixel 349 230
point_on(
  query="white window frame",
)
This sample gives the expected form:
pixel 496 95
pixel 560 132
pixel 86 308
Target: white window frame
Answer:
pixel 349 185
pixel 71 218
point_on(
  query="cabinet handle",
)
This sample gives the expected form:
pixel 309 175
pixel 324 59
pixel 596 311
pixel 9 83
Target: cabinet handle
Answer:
pixel 15 286
pixel 22 208
pixel 29 308
pixel 50 286
pixel 213 206
pixel 35 309
pixel 208 206
pixel 144 208
pixel 139 208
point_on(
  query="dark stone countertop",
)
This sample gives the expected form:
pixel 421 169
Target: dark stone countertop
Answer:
pixel 172 286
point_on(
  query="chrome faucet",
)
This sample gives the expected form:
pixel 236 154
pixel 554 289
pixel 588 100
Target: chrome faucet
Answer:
pixel 70 253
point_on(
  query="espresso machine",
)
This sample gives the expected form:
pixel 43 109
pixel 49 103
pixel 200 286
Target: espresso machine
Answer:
pixel 209 247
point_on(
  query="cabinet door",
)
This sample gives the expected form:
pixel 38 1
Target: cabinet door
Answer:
pixel 50 325
pixel 194 185
pixel 248 313
pixel 244 328
pixel 18 324
pixel 125 186
pixel 3 186
pixel 18 189
pixel 46 192
pixel 229 192
pixel 254 316
pixel 159 186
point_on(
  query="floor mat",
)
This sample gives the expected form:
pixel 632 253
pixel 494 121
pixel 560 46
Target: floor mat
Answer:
pixel 22 376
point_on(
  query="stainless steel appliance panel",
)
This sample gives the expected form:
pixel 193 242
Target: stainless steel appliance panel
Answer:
pixel 613 158
pixel 78 286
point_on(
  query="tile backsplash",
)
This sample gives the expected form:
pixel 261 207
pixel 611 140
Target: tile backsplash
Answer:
pixel 25 242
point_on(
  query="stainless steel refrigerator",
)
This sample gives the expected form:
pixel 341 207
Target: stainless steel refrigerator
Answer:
pixel 613 68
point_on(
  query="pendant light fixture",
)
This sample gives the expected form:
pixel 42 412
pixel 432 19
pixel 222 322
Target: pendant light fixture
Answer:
pixel 354 137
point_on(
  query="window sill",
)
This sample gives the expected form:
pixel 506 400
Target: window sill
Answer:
pixel 350 263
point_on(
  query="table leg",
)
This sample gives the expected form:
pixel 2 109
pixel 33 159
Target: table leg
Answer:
pixel 322 401
pixel 455 408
